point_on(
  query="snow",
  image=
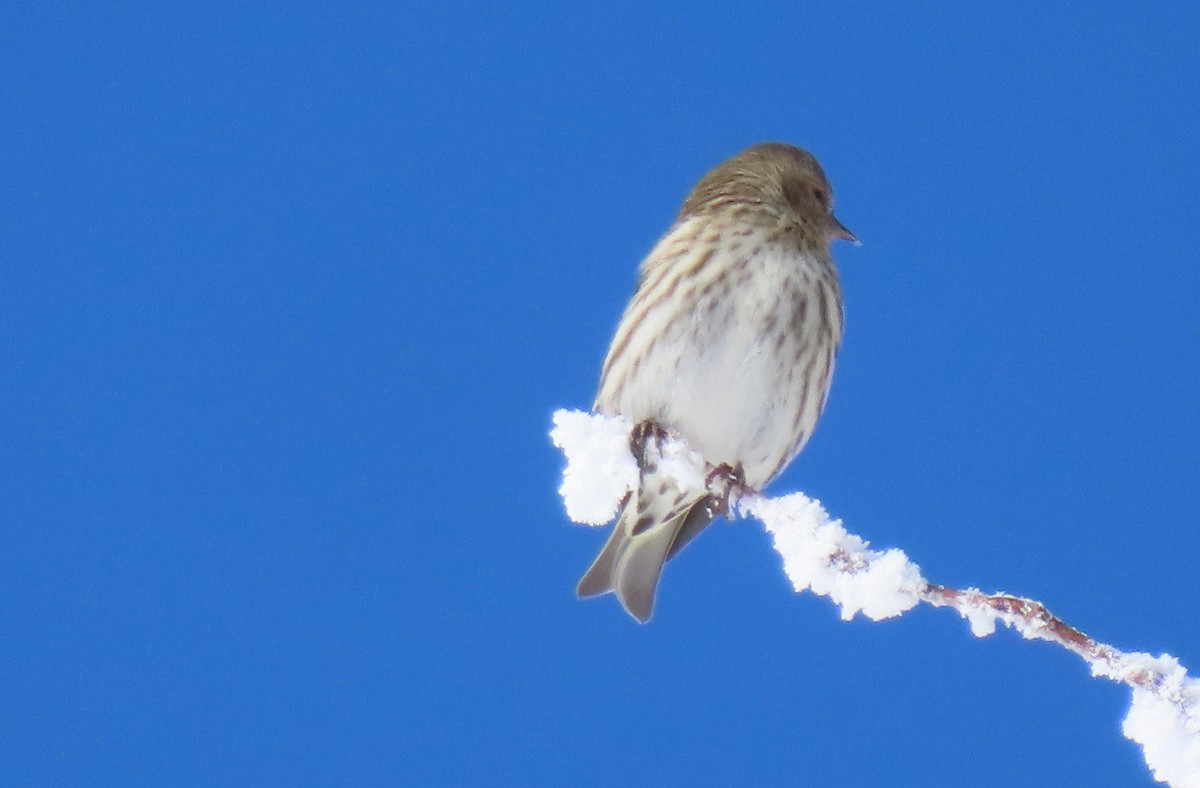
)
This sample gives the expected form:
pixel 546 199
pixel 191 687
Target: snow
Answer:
pixel 600 468
pixel 1165 720
pixel 821 556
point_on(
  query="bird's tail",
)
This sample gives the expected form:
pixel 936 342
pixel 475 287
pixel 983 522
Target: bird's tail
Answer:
pixel 652 529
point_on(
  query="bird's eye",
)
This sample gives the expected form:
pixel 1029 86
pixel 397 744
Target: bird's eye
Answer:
pixel 819 193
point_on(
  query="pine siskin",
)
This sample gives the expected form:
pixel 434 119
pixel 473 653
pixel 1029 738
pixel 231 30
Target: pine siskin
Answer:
pixel 729 341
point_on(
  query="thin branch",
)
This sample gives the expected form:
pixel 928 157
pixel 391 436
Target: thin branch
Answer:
pixel 819 555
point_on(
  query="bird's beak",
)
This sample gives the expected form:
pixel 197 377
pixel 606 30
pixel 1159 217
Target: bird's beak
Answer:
pixel 839 230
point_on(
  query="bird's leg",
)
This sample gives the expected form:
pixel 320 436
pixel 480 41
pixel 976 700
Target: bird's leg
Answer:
pixel 724 483
pixel 646 443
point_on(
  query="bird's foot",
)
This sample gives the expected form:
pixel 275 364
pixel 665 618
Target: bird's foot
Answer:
pixel 646 442
pixel 725 483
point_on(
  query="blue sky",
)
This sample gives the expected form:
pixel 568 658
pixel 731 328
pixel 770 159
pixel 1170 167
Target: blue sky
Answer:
pixel 289 294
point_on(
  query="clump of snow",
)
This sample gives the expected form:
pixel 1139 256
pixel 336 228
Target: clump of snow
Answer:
pixel 819 555
pixel 1166 722
pixel 981 619
pixel 600 468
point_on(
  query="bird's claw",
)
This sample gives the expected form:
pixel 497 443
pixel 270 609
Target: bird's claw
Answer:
pixel 725 483
pixel 646 442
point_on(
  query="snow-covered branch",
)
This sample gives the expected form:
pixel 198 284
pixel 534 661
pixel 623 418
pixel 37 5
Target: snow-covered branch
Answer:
pixel 821 556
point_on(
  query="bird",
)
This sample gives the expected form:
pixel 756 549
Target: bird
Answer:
pixel 728 342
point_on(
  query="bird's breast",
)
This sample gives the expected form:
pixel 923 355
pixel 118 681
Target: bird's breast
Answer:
pixel 740 364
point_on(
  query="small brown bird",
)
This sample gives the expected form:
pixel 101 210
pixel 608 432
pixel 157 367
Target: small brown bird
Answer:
pixel 729 341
